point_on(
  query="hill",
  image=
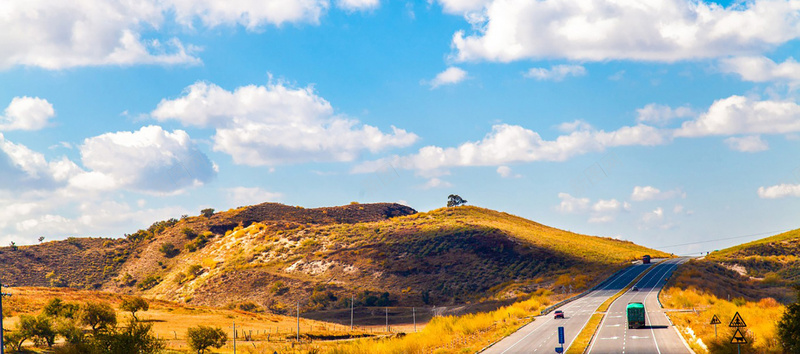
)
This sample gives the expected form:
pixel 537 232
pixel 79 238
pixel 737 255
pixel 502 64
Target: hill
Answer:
pixel 274 255
pixel 752 271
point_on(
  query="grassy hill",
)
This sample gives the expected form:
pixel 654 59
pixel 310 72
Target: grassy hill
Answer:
pixel 273 256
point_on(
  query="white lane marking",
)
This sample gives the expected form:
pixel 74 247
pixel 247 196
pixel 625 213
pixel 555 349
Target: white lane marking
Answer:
pixel 637 337
pixel 612 338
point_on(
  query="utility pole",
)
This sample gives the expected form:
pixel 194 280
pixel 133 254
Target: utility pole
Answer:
pixel 387 319
pixel 298 322
pixel 352 304
pixel 234 337
pixel 414 313
pixel 2 344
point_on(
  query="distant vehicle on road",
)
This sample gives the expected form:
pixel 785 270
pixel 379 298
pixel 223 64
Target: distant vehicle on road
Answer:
pixel 558 314
pixel 646 259
pixel 635 288
pixel 635 311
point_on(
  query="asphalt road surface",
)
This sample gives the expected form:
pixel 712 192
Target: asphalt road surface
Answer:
pixel 657 336
pixel 541 336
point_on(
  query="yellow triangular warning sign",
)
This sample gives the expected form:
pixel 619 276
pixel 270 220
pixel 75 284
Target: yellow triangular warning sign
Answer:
pixel 737 321
pixel 738 337
pixel 715 320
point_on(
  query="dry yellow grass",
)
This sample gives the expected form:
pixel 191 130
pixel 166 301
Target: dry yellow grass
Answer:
pixel 585 337
pixel 761 318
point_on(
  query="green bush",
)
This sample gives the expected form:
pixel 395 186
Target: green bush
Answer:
pixel 200 338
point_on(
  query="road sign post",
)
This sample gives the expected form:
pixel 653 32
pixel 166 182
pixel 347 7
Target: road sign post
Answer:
pixel 715 321
pixel 738 337
pixel 560 340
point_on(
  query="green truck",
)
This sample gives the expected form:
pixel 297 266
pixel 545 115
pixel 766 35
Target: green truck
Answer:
pixel 635 312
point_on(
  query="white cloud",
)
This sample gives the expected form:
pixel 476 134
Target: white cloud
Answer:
pixel 27 113
pixel 601 219
pixel 743 115
pixel 506 172
pixel 751 143
pixel 660 114
pixel 23 168
pixel 653 216
pixel 603 206
pixel 150 159
pixel 512 143
pixel 598 30
pixel 241 196
pixel 570 204
pixel 762 69
pixel 274 124
pixel 358 5
pixel 779 191
pixel 652 193
pixel 450 76
pixel 436 183
pixel 57 35
pixel 555 73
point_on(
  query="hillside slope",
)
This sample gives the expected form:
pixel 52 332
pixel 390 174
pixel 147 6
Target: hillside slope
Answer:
pixel 384 254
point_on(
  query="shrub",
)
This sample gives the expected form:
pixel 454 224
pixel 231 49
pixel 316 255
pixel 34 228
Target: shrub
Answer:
pixel 149 282
pixel 200 338
pixel 279 288
pixel 169 250
pixel 789 327
pixel 208 212
pixel 189 233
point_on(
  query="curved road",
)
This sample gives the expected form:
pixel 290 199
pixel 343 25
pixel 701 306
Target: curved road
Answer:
pixel 541 335
pixel 657 336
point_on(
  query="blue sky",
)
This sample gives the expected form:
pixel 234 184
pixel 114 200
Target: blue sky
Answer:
pixel 669 123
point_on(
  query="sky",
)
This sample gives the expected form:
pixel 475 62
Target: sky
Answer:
pixel 674 124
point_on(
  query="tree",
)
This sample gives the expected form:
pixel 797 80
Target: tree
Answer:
pixel 200 338
pixel 207 212
pixel 59 309
pixel 789 327
pixel 136 338
pixel 41 238
pixel 454 200
pixel 100 317
pixel 134 305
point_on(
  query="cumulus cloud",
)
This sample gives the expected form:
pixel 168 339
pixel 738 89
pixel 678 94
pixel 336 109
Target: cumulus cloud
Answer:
pixel 641 193
pixel 58 35
pixel 25 169
pixel 744 115
pixel 607 205
pixel 555 73
pixel 358 5
pixel 27 113
pixel 506 172
pixel 275 124
pixel 762 69
pixel 150 159
pixel 751 143
pixel 660 114
pixel 598 30
pixel 450 76
pixel 241 196
pixel 570 204
pixel 653 216
pixel 512 143
pixel 779 191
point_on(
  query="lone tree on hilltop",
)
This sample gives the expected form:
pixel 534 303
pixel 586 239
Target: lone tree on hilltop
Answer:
pixel 789 326
pixel 202 337
pixel 454 200
pixel 207 212
pixel 134 305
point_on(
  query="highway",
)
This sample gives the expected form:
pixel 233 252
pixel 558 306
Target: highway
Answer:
pixel 541 335
pixel 657 336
